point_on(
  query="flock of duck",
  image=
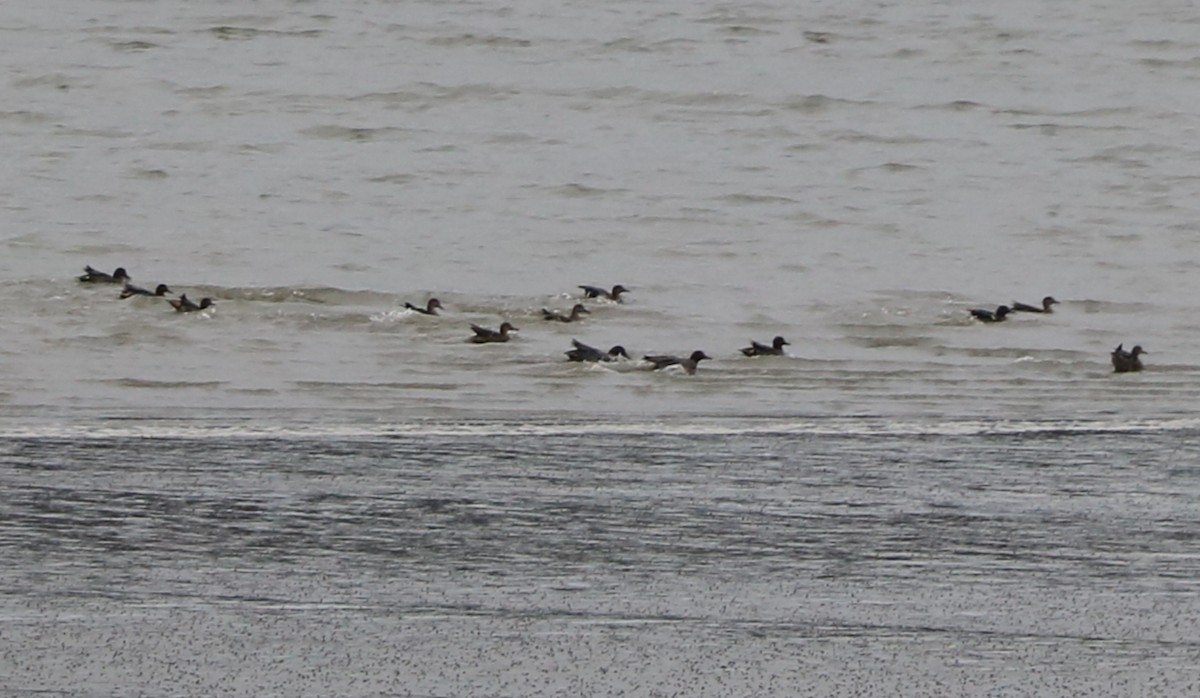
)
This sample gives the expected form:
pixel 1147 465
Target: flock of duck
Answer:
pixel 1123 361
pixel 482 335
pixel 182 304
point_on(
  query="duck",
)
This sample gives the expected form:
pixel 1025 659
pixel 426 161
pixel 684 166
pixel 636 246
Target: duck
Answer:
pixel 93 276
pixel 485 335
pixel 183 304
pixel 689 364
pixel 1127 361
pixel 576 311
pixel 996 315
pixel 431 308
pixel 130 290
pixel 1026 308
pixel 758 349
pixel 597 292
pixel 583 352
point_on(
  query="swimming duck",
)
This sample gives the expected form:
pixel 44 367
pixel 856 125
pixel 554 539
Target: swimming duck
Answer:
pixel 430 308
pixel 583 352
pixel 131 290
pixel 484 335
pixel 575 313
pixel 689 364
pixel 989 315
pixel 1127 361
pixel 183 304
pixel 92 276
pixel 757 349
pixel 597 292
pixel 1026 308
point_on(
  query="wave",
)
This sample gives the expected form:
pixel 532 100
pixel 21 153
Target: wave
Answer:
pixel 855 427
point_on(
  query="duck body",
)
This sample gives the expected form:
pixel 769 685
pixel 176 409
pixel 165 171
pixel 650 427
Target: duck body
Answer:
pixel 690 364
pixel 486 335
pixel 1127 361
pixel 93 276
pixel 1026 308
pixel 130 290
pixel 583 352
pixel 759 349
pixel 431 308
pixel 183 304
pixel 576 311
pixel 598 292
pixel 996 315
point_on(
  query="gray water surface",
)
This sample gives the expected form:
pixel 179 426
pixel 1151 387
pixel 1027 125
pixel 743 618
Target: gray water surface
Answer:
pixel 852 176
pixel 310 490
pixel 1052 563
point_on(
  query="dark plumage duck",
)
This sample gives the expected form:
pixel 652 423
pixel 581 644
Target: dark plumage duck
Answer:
pixel 996 315
pixel 575 313
pixel 1026 308
pixel 183 304
pixel 92 276
pixel 130 290
pixel 689 364
pixel 758 349
pixel 583 352
pixel 597 292
pixel 431 308
pixel 1127 361
pixel 484 335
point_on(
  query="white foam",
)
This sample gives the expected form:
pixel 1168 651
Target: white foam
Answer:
pixel 865 427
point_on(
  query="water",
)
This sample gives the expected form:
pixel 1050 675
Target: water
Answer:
pixel 851 177
pixel 370 505
pixel 481 560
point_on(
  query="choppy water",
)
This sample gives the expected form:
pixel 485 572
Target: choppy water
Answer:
pixel 852 176
pixel 481 560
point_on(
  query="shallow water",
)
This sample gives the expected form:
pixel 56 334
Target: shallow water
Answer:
pixel 310 490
